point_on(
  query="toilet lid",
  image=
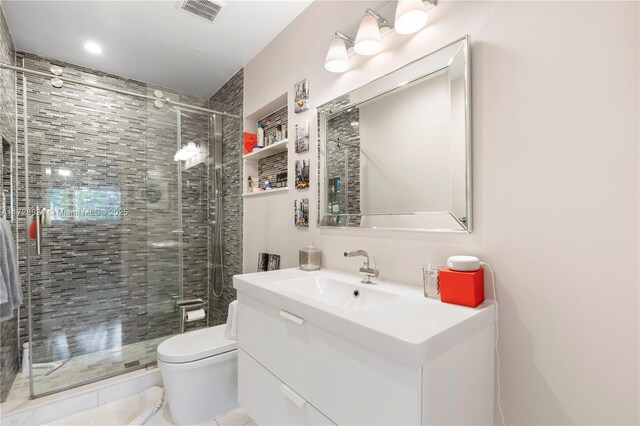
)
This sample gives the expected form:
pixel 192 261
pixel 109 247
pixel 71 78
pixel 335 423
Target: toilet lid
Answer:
pixel 195 345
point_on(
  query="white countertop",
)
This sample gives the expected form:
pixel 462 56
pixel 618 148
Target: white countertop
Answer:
pixel 389 317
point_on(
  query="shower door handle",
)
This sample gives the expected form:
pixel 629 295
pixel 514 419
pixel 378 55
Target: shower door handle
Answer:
pixel 38 219
pixel 217 184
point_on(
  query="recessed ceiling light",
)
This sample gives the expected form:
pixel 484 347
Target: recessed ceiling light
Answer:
pixel 93 48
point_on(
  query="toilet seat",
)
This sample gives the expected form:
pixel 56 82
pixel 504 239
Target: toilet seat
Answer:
pixel 195 345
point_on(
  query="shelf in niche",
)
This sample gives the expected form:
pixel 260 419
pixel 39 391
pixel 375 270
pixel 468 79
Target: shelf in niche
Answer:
pixel 268 151
pixel 270 191
pixel 273 159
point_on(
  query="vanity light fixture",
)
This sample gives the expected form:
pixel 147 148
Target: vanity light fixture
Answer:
pixel 337 59
pixel 368 40
pixel 411 16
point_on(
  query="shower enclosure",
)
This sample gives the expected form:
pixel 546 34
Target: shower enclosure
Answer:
pixel 118 195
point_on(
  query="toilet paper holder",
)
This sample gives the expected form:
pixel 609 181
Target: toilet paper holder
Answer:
pixel 189 305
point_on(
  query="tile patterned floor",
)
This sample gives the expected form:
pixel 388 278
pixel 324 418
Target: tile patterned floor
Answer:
pixel 237 417
pixel 87 368
pixel 93 366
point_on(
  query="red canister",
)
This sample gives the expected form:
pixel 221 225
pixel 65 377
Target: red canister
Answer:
pixel 462 288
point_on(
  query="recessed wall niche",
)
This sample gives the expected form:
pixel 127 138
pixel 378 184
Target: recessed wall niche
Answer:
pixel 271 162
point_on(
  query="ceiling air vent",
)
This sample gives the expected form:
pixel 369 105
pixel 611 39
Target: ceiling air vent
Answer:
pixel 204 9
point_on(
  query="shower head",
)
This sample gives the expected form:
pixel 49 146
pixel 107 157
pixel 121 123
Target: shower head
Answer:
pixel 187 152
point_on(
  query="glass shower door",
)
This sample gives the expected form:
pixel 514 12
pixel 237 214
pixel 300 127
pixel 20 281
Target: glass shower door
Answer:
pixel 88 269
pixel 123 229
pixel 162 193
pixel 177 207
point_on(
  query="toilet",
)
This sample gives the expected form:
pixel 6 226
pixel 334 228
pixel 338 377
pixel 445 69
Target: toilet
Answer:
pixel 200 374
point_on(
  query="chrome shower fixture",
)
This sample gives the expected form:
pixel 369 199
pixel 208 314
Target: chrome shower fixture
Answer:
pixel 56 70
pixel 57 83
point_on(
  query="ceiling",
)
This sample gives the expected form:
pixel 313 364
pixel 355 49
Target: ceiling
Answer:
pixel 151 41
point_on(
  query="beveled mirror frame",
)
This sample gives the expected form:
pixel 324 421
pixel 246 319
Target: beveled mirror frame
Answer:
pixel 432 62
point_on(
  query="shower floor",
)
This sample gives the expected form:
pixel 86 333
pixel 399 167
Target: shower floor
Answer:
pixel 86 369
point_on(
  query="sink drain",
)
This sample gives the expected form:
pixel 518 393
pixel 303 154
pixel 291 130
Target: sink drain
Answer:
pixel 356 293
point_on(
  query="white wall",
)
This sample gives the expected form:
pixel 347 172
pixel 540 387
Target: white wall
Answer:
pixel 555 153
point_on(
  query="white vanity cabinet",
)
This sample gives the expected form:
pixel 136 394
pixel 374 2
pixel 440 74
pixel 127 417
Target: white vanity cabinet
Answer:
pixel 301 363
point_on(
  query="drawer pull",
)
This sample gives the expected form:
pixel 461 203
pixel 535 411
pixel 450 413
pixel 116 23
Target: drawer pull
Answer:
pixel 293 397
pixel 291 317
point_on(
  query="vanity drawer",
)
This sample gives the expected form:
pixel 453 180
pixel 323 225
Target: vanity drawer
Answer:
pixel 348 383
pixel 269 401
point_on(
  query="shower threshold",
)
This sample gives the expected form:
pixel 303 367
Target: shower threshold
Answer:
pixel 42 411
pixel 86 369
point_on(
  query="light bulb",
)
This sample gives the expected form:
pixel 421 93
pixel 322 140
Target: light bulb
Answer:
pixel 337 58
pixel 411 16
pixel 368 41
pixel 93 48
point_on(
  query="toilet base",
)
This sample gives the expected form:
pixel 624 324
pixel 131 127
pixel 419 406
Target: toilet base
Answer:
pixel 203 389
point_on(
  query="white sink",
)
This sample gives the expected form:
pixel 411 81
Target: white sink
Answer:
pixel 392 318
pixel 339 294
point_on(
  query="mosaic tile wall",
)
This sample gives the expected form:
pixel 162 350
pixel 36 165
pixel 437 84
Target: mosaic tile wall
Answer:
pixel 8 329
pixel 270 167
pixel 9 353
pixel 271 121
pixel 340 128
pixel 107 281
pixel 343 159
pixel 230 95
pixel 7 83
pixel 163 266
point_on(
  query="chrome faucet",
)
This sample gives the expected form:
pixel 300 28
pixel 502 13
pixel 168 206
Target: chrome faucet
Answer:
pixel 367 269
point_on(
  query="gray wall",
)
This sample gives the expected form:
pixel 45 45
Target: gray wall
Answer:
pixel 8 329
pixel 270 167
pixel 230 95
pixel 339 128
pixel 343 159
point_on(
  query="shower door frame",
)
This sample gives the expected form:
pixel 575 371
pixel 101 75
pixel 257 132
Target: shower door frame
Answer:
pixel 215 160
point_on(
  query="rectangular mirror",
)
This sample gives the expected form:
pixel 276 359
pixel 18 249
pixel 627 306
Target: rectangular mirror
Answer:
pixel 395 153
